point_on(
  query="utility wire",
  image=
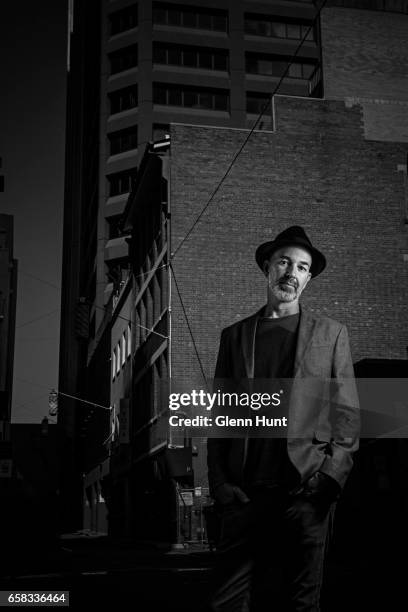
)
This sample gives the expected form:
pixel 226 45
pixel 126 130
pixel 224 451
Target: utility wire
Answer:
pixel 96 306
pixel 43 316
pixel 189 326
pixel 75 397
pixel 41 280
pixel 251 131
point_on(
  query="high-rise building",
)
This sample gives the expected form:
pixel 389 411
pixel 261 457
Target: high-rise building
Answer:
pixel 8 298
pixel 133 69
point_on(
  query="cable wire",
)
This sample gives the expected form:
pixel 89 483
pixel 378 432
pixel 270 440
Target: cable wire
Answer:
pixel 189 326
pixel 43 316
pixel 75 397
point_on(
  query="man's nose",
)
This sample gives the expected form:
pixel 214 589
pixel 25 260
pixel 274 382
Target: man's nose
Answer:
pixel 291 270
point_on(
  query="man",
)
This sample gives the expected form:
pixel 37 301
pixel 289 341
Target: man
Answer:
pixel 277 496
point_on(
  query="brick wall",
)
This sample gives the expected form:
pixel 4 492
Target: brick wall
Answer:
pixel 365 56
pixel 316 170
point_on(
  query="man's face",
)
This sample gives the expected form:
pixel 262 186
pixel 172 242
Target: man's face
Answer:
pixel 288 272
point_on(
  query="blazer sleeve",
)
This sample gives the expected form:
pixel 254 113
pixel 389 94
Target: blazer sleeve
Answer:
pixel 218 448
pixel 345 412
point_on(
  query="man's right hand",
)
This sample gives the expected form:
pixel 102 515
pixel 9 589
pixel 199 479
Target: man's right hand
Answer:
pixel 227 493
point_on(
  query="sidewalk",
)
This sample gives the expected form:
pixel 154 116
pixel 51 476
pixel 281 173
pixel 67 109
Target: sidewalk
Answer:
pixel 82 551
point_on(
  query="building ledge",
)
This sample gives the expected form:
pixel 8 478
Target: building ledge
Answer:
pixel 116 248
pixel 119 156
pixel 174 68
pixel 126 113
pixel 123 73
pixel 115 205
pixel 184 110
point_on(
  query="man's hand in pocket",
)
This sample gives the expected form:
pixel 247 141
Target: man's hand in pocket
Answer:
pixel 227 493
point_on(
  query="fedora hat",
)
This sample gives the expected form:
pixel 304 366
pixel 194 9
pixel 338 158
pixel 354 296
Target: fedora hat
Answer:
pixel 292 236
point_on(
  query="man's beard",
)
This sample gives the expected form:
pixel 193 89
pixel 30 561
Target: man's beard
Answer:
pixel 284 295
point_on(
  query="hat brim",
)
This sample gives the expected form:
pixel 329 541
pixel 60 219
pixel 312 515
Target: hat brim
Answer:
pixel 265 250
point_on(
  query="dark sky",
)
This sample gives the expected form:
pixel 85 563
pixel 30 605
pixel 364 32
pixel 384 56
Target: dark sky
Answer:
pixel 33 36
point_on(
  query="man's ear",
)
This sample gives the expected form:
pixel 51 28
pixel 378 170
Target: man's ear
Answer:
pixel 265 267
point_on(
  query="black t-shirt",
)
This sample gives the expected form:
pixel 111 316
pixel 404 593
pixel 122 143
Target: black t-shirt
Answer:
pixel 267 462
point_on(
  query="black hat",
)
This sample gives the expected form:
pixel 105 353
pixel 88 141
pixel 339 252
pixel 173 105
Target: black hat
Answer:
pixel 293 236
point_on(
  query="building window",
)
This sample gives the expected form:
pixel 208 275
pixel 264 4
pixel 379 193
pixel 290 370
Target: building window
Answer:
pixel 255 102
pixel 123 140
pixel 264 25
pixel 118 358
pixel 190 97
pixel 129 341
pixel 123 20
pixel 123 349
pixel 123 59
pixel 190 17
pixel 123 99
pixel 191 57
pixel 276 66
pixel 121 182
pixel 113 365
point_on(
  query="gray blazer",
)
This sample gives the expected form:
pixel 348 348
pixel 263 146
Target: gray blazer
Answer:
pixel 323 411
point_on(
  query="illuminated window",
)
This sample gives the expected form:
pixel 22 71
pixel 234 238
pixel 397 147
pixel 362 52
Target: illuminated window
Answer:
pixel 129 341
pixel 118 359
pixel 113 365
pixel 123 349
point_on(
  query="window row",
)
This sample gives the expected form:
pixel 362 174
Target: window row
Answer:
pixel 121 182
pixel 269 65
pixel 123 20
pixel 123 99
pixel 269 26
pixel 192 57
pixel 191 97
pixel 121 352
pixel 190 17
pixel 123 59
pixel 207 19
pixel 151 305
pixel 123 140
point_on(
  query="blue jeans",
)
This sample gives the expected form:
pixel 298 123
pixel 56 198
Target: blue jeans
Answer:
pixel 271 553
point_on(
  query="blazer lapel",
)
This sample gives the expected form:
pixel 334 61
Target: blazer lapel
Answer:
pixel 248 342
pixel 305 334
